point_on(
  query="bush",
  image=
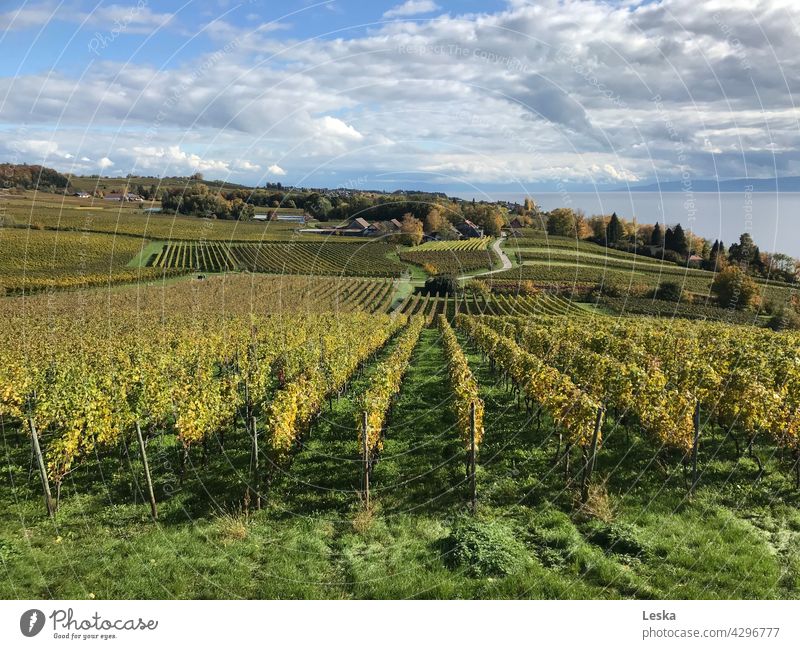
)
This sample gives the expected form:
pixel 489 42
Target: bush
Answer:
pixel 441 285
pixel 669 291
pixel 785 320
pixel 609 290
pixel 478 287
pixel 734 288
pixel 621 538
pixel 672 256
pixel 483 548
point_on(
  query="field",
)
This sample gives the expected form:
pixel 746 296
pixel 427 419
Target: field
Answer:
pixel 34 260
pixel 323 258
pixel 449 261
pixel 47 211
pixel 462 245
pixel 294 417
pixel 570 262
pixel 305 357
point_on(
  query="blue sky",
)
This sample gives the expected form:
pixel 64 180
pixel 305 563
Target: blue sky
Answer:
pixel 473 95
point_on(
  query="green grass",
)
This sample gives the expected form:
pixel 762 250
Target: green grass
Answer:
pixel 738 538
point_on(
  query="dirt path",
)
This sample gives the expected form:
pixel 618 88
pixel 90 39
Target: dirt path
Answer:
pixel 503 258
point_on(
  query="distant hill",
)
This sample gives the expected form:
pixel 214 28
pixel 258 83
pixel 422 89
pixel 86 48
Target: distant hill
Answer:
pixel 31 177
pixel 108 183
pixel 786 184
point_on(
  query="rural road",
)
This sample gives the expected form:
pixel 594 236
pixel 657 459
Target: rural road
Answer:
pixel 503 258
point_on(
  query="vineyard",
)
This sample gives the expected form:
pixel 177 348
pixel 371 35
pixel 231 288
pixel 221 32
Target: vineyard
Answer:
pixel 604 455
pixel 463 245
pixel 49 212
pixel 34 260
pixel 322 258
pixel 563 262
pixel 449 261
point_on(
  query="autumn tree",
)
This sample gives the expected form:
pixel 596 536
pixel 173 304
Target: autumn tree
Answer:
pixel 411 230
pixel 435 221
pixel 734 288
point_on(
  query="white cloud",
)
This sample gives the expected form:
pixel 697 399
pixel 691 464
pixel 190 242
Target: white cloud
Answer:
pixel 531 92
pixel 275 170
pixel 609 171
pixel 149 158
pixel 411 8
pixel 38 148
pixel 134 18
pixel 336 128
pixel 105 163
pixel 246 165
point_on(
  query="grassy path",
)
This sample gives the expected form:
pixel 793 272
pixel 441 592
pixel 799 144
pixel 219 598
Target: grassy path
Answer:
pixel 420 467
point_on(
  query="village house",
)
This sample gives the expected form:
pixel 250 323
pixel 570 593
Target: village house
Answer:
pixel 469 230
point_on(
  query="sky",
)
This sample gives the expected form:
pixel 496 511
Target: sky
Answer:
pixel 462 96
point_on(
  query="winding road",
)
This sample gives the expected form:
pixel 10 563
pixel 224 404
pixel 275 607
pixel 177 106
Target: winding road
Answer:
pixel 503 258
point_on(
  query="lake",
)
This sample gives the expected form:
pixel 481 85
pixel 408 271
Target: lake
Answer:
pixel 770 218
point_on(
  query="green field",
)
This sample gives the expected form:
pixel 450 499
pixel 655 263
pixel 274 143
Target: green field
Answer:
pixel 324 258
pixel 313 539
pixel 294 311
pixel 40 259
pixel 47 211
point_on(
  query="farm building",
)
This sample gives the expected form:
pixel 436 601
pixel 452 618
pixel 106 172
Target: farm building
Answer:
pixel 123 197
pixel 357 227
pixel 516 223
pixel 469 230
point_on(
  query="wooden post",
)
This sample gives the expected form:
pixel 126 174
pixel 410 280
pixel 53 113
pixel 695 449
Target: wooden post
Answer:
pixel 48 498
pixel 695 445
pixel 589 468
pixel 365 451
pixel 473 487
pixel 150 492
pixel 254 477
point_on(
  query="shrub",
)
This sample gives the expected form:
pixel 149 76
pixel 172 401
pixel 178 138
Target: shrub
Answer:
pixel 672 256
pixel 441 285
pixel 669 291
pixel 734 288
pixel 483 548
pixel 621 538
pixel 786 319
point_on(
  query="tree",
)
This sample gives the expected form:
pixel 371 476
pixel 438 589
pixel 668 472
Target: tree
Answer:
pixel 434 220
pixel 614 230
pixel 441 285
pixel 657 238
pixel 742 252
pixel 671 291
pixel 489 217
pixel 679 242
pixel 561 222
pixel 597 226
pixel 734 289
pixel 669 240
pixel 411 230
pixel 757 261
pixel 241 211
pixel 318 206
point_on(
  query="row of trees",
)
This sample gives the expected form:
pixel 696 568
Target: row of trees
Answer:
pixel 670 243
pixel 26 176
pixel 198 200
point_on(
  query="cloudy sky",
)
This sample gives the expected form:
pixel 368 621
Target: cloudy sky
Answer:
pixel 426 93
